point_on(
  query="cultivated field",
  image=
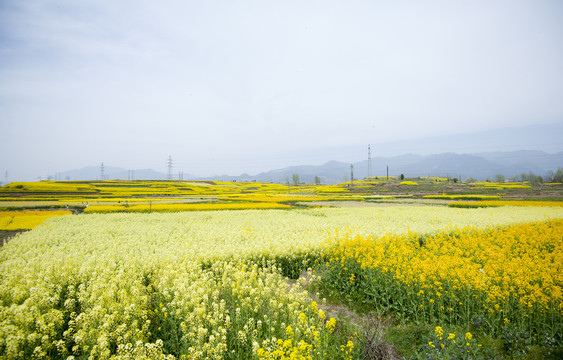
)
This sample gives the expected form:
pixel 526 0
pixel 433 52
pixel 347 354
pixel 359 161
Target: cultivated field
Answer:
pixel 265 271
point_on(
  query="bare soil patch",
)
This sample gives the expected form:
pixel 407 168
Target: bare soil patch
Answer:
pixel 7 235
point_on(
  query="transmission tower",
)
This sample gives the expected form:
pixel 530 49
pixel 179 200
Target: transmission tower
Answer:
pixel 352 175
pixel 170 165
pixel 102 176
pixel 369 160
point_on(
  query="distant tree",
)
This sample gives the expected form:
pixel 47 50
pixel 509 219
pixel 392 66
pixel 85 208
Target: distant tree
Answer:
pixel 317 180
pixel 558 177
pixel 455 180
pixel 295 179
pixel 532 178
pixel 499 178
pixel 535 179
pixel 402 176
pixel 470 180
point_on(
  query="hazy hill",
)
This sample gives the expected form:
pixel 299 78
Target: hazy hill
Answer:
pixel 535 161
pixel 479 166
pixel 463 166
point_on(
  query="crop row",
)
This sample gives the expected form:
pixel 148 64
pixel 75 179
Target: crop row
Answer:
pixel 497 203
pixel 181 207
pixel 462 197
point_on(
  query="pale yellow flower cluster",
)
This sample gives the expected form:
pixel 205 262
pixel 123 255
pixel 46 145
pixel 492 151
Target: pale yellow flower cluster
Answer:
pixel 103 304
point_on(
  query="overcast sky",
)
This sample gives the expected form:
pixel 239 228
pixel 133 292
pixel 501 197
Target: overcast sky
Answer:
pixel 226 87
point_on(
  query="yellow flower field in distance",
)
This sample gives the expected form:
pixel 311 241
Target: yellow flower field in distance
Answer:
pixel 462 197
pixel 410 183
pixel 159 207
pixel 494 185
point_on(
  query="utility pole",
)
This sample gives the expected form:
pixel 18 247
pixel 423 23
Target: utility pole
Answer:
pixel 387 172
pixel 102 176
pixel 369 161
pixel 170 167
pixel 352 175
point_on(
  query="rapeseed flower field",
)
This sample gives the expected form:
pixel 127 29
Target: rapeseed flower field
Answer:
pixel 497 278
pixel 203 284
pixel 207 270
pixel 26 220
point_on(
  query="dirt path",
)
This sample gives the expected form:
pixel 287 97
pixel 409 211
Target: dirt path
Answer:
pixel 7 235
pixel 371 327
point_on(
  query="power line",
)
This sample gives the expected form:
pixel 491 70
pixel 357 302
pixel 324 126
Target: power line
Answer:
pixel 170 165
pixel 369 160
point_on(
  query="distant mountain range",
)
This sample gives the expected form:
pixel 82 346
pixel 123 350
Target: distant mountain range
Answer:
pixel 479 166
